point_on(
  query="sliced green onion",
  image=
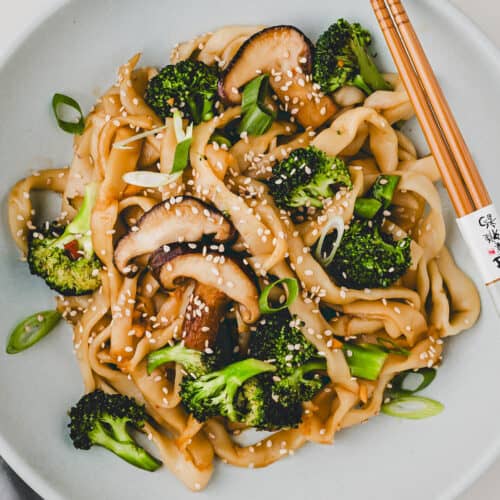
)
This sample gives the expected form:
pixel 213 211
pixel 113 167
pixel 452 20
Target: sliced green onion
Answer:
pixel 411 381
pixel 384 188
pixel 184 139
pixel 255 121
pixel 72 127
pixel 220 139
pixel 335 223
pixel 142 135
pixel 257 118
pixel 292 287
pixel 181 156
pixel 412 407
pixel 367 208
pixel 180 134
pixel 254 92
pixel 365 360
pixel 32 329
pixel 146 179
pixel 392 346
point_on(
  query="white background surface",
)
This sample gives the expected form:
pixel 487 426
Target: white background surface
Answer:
pixel 17 17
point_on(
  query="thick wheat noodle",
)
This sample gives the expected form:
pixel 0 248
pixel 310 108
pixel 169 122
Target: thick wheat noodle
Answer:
pixel 19 202
pixel 213 47
pixel 343 130
pixel 262 169
pixel 114 329
pixel 251 149
pixel 342 205
pixel 83 331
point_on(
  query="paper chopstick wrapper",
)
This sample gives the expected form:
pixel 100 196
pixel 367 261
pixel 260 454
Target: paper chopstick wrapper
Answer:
pixel 481 232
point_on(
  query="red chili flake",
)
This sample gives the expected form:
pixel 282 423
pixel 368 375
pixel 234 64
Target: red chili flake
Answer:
pixel 72 250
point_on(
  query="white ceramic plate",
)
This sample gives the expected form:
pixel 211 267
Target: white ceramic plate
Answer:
pixel 76 51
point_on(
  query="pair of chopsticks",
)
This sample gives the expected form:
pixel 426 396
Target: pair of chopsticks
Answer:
pixel 477 217
pixel 458 170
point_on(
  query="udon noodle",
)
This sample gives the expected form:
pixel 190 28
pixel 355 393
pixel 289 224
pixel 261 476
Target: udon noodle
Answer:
pixel 115 328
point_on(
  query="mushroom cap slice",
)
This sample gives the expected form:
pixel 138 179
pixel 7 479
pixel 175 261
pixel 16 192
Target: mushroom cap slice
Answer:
pixel 185 219
pixel 285 53
pixel 205 311
pixel 226 274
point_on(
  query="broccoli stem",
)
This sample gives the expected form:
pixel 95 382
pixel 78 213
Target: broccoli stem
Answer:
pixel 218 389
pixel 127 450
pixel 317 365
pixel 118 428
pixel 361 84
pixel 195 110
pixel 176 353
pixel 370 74
pixel 79 228
pixel 207 109
pixel 237 374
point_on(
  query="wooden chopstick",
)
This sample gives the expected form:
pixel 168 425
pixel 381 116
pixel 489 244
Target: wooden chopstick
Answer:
pixel 449 173
pixel 477 215
pixel 437 100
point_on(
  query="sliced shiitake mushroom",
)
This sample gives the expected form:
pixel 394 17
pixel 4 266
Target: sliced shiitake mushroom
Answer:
pixel 204 313
pixel 285 53
pixel 214 269
pixel 182 219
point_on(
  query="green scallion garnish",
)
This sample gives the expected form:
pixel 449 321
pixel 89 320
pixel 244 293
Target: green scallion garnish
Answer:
pixel 184 140
pixel 72 127
pixel 411 381
pixel 254 92
pixel 181 156
pixel 32 329
pixel 412 407
pixel 392 347
pixel 324 257
pixel 365 360
pixel 367 208
pixel 257 118
pixel 292 287
pixel 220 139
pixel 384 188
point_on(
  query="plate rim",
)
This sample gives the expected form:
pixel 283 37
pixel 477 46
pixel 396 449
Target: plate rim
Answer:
pixel 43 486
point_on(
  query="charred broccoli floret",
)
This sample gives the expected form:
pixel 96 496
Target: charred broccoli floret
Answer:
pixel 103 419
pixel 215 393
pixel 278 339
pixel 341 58
pixel 195 363
pixel 190 86
pixel 369 258
pixel 307 177
pixel 64 257
pixel 260 408
pixel 301 385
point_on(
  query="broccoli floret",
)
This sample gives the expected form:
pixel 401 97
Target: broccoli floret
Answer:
pixel 195 363
pixel 307 177
pixel 341 58
pixel 215 393
pixel 259 408
pixel 277 339
pixel 190 86
pixel 301 385
pixel 65 259
pixel 369 258
pixel 102 419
